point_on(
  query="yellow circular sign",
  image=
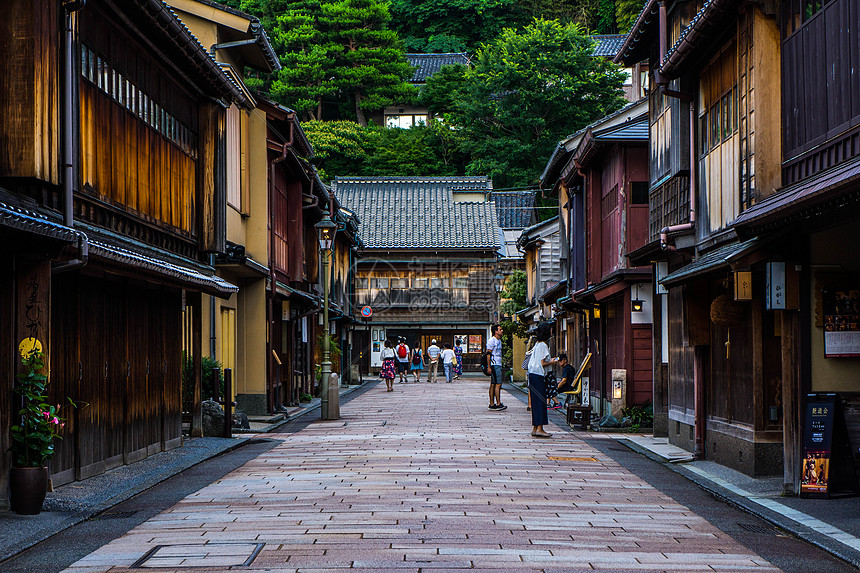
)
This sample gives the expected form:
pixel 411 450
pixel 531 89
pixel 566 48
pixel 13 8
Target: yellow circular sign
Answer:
pixel 28 345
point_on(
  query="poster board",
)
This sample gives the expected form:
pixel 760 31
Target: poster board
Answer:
pixel 841 310
pixel 827 465
pixel 475 343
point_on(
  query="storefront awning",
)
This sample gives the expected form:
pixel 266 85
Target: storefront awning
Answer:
pixel 802 200
pixel 296 294
pixel 172 272
pixel 720 258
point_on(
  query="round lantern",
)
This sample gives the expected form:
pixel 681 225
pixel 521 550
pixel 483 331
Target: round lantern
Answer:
pixel 726 312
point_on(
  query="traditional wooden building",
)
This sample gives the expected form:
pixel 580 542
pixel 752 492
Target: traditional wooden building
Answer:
pixel 236 327
pixel 112 177
pixel 810 225
pixel 715 150
pixel 602 303
pixel 427 261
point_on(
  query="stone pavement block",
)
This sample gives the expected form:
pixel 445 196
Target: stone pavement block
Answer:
pixel 421 492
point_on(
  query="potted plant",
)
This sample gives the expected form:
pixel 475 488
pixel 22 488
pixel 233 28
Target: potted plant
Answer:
pixel 33 437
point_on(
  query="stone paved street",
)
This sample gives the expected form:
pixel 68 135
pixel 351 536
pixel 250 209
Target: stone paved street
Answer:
pixel 426 478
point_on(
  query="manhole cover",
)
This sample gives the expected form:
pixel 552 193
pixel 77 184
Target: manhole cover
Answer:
pixel 206 555
pixel 763 529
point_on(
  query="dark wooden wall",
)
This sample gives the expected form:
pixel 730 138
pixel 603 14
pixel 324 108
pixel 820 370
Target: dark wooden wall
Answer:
pixel 821 90
pixel 29 98
pixel 118 354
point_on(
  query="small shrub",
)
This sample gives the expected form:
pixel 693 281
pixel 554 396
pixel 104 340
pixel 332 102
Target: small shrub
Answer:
pixel 639 416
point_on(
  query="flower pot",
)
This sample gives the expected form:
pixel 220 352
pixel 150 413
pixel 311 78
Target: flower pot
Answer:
pixel 28 487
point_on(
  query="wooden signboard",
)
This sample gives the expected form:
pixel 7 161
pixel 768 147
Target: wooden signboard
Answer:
pixel 828 465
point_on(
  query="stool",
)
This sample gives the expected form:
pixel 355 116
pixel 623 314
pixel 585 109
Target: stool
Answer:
pixel 579 416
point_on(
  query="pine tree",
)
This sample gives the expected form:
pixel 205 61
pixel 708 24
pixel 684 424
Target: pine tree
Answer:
pixel 370 65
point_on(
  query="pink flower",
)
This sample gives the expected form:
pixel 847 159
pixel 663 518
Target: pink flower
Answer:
pixel 55 421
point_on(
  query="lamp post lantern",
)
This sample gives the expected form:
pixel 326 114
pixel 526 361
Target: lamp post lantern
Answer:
pixel 329 405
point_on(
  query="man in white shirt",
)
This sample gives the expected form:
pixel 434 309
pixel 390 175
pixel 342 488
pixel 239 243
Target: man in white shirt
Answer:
pixel 433 353
pixel 448 362
pixel 494 347
pixel 401 354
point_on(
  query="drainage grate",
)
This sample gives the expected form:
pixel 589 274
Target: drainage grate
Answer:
pixel 206 555
pixel 762 529
pixel 114 515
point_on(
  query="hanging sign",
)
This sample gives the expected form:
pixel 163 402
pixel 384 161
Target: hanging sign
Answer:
pixel 775 276
pixel 743 285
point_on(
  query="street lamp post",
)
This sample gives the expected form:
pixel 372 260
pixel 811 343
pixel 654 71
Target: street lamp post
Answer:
pixel 329 405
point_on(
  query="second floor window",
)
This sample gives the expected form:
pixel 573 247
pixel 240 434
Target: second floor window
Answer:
pixel 718 97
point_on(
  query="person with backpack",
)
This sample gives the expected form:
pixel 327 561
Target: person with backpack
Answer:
pixel 417 362
pixel 494 357
pixel 402 352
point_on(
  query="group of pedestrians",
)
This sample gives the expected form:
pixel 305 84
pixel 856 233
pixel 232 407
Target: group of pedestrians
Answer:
pixel 400 360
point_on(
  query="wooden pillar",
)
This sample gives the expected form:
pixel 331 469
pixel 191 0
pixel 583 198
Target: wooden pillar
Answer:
pixel 791 405
pixel 196 302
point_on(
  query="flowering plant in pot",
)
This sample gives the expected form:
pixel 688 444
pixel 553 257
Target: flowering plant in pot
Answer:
pixel 33 436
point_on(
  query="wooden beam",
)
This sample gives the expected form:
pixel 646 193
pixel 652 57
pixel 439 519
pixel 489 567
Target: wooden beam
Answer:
pixel 791 414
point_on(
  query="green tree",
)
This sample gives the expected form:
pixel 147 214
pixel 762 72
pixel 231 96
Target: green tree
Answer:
pixel 626 12
pixel 307 56
pixel 453 25
pixel 370 65
pixel 514 294
pixel 526 91
pixel 336 54
pixel 347 148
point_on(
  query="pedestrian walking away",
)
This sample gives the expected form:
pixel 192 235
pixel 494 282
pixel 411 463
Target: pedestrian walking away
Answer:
pixel 402 352
pixel 458 353
pixel 433 353
pixel 539 361
pixel 388 372
pixel 494 348
pixel 417 362
pixel 448 362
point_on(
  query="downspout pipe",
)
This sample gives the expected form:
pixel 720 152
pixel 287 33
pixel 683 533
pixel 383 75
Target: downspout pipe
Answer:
pixel 69 163
pixel 665 231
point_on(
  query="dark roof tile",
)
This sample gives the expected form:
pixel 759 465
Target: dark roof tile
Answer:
pixel 419 212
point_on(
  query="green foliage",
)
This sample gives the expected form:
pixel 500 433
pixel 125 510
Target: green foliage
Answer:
pixel 515 293
pixel 346 148
pixel 333 347
pixel 207 389
pixel 39 423
pixel 305 397
pixel 453 25
pixel 443 89
pixel 639 416
pixel 340 51
pixel 526 91
pixel 626 12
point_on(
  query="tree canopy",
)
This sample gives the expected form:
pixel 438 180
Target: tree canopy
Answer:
pixel 527 90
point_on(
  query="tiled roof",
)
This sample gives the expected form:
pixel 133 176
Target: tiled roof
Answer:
pixel 634 130
pixel 419 212
pixel 607 45
pixel 428 64
pixel 514 208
